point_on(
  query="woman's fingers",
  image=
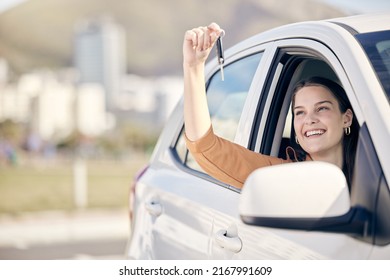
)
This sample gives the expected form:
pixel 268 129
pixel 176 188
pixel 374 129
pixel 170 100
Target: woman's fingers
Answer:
pixel 199 41
pixel 202 41
pixel 191 38
pixel 213 27
pixel 206 38
pixel 215 30
pixel 203 37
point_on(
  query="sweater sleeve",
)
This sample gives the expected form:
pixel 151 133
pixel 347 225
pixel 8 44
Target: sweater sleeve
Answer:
pixel 227 161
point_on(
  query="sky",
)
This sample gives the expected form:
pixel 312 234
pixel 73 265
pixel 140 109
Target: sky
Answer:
pixel 360 6
pixel 7 4
pixel 348 6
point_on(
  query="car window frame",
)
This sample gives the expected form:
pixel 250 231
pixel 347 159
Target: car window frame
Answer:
pixel 265 114
pixel 212 69
pixel 298 47
pixel 217 74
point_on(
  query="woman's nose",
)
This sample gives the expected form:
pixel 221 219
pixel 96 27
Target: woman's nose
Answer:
pixel 310 118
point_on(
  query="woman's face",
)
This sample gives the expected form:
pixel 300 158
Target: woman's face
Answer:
pixel 319 123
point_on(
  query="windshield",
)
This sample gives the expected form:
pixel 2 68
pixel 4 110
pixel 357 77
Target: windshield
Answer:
pixel 377 47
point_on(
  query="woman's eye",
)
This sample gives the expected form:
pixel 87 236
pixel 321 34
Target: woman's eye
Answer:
pixel 322 109
pixel 298 113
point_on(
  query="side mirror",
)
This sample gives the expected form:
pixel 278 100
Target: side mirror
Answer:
pixel 303 196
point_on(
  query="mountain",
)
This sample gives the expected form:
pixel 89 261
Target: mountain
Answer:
pixel 39 33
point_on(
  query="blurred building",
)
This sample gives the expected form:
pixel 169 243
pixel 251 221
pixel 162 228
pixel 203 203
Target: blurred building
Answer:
pixel 100 55
pixel 148 101
pixel 13 105
pixel 53 107
pixel 91 117
pixel 3 71
pixel 93 97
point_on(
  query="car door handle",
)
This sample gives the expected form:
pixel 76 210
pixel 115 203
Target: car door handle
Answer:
pixel 154 208
pixel 231 243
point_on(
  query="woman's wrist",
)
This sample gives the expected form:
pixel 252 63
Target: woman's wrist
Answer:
pixel 194 70
pixel 193 66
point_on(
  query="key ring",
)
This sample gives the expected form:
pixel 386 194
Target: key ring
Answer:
pixel 220 54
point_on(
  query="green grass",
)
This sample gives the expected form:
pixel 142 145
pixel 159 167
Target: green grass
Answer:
pixel 49 186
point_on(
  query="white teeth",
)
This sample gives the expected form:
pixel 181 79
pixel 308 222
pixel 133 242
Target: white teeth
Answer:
pixel 314 132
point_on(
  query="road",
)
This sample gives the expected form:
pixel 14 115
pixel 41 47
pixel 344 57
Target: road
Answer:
pixel 98 249
pixel 56 235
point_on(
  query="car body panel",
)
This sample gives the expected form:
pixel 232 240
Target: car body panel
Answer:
pixel 181 213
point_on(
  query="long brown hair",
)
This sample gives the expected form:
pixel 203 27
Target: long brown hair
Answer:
pixel 349 141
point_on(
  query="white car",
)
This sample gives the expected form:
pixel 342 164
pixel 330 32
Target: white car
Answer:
pixel 180 212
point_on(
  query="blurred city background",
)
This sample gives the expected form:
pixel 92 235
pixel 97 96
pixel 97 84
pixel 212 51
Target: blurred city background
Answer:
pixel 85 89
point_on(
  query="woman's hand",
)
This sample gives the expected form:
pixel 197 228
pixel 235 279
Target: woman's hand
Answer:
pixel 198 43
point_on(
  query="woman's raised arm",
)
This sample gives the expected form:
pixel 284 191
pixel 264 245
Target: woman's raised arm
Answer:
pixel 197 45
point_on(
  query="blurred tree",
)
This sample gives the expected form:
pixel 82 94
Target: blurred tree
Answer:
pixel 11 131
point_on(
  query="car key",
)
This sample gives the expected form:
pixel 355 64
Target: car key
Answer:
pixel 220 56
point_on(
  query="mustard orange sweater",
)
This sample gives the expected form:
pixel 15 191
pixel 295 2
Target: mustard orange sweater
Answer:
pixel 228 161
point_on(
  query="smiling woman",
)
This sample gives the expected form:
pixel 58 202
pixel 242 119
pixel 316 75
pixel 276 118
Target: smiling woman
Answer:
pixel 322 122
pixel 321 116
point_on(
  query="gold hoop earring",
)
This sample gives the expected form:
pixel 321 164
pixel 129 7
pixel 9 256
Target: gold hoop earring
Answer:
pixel 296 139
pixel 347 130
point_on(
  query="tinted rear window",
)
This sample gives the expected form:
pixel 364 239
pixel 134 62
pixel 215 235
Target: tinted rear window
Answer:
pixel 377 47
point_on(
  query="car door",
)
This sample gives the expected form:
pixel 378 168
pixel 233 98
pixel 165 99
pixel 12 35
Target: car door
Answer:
pixel 176 200
pixel 293 59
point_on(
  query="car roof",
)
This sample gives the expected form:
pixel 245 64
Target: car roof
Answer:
pixel 366 22
pixel 335 29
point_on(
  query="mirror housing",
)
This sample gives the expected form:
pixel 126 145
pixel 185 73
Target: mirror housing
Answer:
pixel 303 196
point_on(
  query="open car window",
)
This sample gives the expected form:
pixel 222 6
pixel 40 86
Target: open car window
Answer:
pixel 226 100
pixel 274 131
